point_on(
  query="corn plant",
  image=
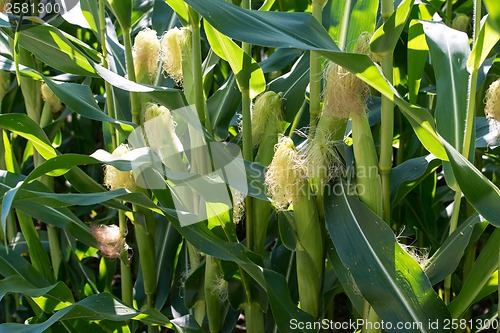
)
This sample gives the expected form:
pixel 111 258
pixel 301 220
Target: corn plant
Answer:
pixel 260 166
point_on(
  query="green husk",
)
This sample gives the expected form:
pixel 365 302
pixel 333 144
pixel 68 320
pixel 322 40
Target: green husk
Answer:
pixel 309 250
pixel 367 176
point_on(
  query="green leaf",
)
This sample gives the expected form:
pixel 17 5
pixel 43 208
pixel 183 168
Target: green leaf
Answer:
pixel 485 265
pixel 9 65
pixel 80 99
pixel 347 281
pixel 90 10
pixel 12 264
pixel 406 176
pixel 417 58
pixel 486 40
pixel 232 53
pixel 50 46
pixel 293 86
pixel 122 9
pixel 95 307
pixel 287 232
pixel 222 106
pixel 22 125
pixel 449 49
pixel 489 287
pixel 49 299
pixel 480 192
pixel 493 7
pixel 285 312
pixel 24 201
pixel 384 40
pixel 168 244
pixel 338 20
pixel 388 277
pixel 186 324
pixel 171 98
pixel 447 257
pixel 180 9
pixel 362 19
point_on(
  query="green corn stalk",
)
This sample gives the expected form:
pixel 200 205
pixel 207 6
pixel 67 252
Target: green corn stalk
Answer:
pixel 387 125
pixel 144 226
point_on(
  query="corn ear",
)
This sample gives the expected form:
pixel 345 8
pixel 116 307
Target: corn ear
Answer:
pixel 367 177
pixel 309 250
pixel 212 299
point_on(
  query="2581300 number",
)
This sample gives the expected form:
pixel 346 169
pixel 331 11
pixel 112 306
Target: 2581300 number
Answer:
pixel 478 324
pixel 32 9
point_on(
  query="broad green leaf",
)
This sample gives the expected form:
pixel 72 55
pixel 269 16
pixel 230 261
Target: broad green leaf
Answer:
pixel 222 106
pixel 58 216
pixel 486 40
pixel 37 253
pixel 49 45
pixel 489 287
pixel 362 19
pixel 409 174
pixel 293 86
pixel 237 58
pixel 449 49
pixel 480 192
pixel 22 125
pixel 267 5
pixel 49 299
pixel 347 281
pixel 122 9
pixel 338 20
pixel 186 324
pixel 300 30
pixel 285 312
pixel 80 99
pixel 486 264
pixel 90 10
pixel 447 257
pixel 168 244
pixel 384 40
pixel 13 264
pixel 180 8
pixel 76 17
pixel 171 98
pixel 493 7
pixel 388 277
pixel 417 57
pixel 95 307
pixel 9 65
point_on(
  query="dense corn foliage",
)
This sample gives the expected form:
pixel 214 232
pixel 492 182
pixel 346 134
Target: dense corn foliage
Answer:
pixel 260 166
